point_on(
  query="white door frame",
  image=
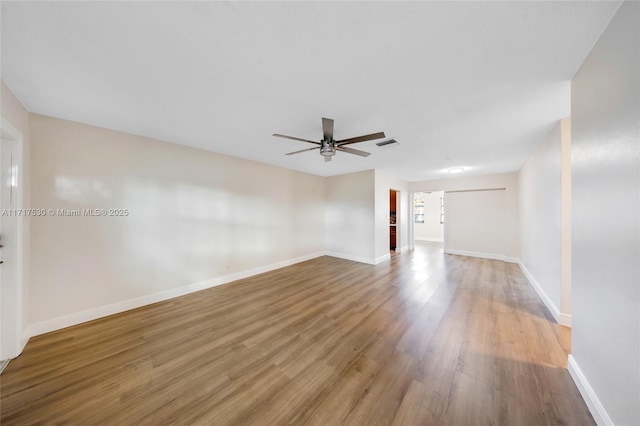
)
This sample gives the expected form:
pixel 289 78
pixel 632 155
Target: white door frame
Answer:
pixel 15 341
pixel 399 224
pixel 398 248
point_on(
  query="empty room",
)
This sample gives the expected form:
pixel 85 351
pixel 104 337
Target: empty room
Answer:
pixel 322 213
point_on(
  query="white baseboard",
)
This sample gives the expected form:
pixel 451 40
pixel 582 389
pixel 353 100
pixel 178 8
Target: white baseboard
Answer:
pixel 383 258
pixel 125 305
pixel 564 319
pixel 402 249
pixel 596 408
pixel 24 340
pixel 481 255
pixel 543 295
pixel 561 318
pixel 346 256
pixel 432 240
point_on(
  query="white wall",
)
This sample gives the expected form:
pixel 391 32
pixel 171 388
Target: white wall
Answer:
pixel 540 219
pixel 195 219
pixel 357 215
pixel 566 252
pixel 606 220
pixel 12 110
pixel 475 223
pixel 431 229
pixel 385 181
pixel 504 180
pixel 349 216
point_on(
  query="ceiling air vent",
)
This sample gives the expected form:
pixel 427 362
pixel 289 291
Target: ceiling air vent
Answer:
pixel 387 142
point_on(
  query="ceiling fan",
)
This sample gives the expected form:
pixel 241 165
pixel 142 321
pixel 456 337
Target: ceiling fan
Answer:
pixel 328 146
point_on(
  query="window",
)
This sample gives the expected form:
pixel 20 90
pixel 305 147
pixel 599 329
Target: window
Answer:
pixel 418 209
pixel 441 210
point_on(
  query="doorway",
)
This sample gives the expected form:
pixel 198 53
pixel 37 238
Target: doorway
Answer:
pixel 428 216
pixel 11 217
pixel 394 215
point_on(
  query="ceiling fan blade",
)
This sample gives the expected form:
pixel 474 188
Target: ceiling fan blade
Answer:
pixel 327 158
pixel 353 151
pixel 302 150
pixel 327 128
pixel 295 139
pixel 364 138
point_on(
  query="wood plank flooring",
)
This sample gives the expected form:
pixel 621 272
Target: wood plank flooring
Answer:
pixel 425 339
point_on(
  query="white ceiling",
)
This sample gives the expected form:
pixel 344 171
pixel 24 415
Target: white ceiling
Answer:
pixel 472 84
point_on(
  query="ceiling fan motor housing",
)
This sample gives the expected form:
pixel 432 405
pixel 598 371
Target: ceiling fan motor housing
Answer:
pixel 328 148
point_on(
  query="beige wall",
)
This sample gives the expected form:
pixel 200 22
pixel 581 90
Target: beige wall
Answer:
pixel 509 181
pixel 14 112
pixel 349 216
pixel 474 223
pixel 195 217
pixel 357 215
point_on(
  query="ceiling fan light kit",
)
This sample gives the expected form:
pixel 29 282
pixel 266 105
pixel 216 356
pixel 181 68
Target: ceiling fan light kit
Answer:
pixel 329 146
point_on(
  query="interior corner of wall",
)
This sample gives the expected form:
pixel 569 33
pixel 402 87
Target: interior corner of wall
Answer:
pixel 541 293
pixel 564 319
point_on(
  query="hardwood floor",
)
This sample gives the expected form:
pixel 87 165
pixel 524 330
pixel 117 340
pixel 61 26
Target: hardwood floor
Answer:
pixel 427 338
